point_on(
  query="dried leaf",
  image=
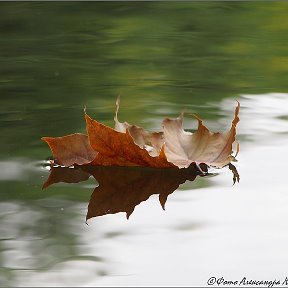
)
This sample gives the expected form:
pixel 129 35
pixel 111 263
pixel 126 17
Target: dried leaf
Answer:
pixel 116 145
pixel 76 149
pixel 130 145
pixel 150 141
pixel 203 146
pixel 71 149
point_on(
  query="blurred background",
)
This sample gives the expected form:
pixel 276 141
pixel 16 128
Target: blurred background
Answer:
pixel 161 57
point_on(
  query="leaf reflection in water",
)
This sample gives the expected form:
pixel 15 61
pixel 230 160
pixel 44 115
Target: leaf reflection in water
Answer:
pixel 121 189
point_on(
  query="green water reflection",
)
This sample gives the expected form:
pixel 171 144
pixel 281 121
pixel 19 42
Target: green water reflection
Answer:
pixel 55 58
pixel 58 57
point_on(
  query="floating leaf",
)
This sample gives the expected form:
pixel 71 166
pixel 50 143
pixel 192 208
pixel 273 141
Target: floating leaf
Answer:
pixel 203 146
pixel 131 145
pixel 71 149
pixel 113 145
pixel 151 141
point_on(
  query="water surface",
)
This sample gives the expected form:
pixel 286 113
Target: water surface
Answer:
pixel 57 58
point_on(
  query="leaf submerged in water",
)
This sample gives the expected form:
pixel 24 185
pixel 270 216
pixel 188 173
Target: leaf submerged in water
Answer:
pixel 130 145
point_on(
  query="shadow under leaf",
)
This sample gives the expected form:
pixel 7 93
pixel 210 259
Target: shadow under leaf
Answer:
pixel 121 189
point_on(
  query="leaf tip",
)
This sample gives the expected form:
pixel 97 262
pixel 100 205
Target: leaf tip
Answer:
pixel 236 117
pixel 200 121
pixel 45 185
pixel 118 100
pixel 117 109
pixel 163 200
pixel 88 118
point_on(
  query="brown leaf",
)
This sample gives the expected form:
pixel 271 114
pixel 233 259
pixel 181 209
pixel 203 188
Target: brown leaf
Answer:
pixel 130 145
pixel 117 146
pixel 71 149
pixel 151 141
pixel 203 146
pixel 75 148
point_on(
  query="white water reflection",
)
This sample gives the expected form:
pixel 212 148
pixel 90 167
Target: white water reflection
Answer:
pixel 38 245
pixel 262 116
pixel 16 169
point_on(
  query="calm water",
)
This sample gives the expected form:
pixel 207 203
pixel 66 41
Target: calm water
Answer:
pixel 57 58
